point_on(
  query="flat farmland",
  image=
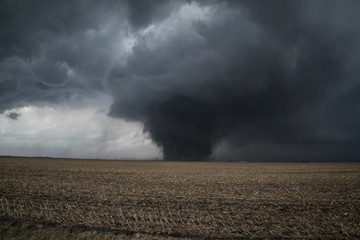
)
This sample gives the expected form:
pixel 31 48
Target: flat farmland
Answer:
pixel 94 199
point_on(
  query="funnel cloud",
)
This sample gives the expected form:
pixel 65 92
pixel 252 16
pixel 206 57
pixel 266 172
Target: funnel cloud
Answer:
pixel 225 80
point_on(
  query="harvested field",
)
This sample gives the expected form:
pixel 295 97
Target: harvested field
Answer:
pixel 155 199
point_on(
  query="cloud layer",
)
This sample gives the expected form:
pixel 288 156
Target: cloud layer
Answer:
pixel 236 80
pixel 81 130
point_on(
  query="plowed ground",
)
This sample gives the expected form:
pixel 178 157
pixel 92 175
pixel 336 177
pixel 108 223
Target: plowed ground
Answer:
pixel 156 199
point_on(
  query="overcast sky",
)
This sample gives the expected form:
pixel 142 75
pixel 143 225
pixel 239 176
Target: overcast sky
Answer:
pixel 239 80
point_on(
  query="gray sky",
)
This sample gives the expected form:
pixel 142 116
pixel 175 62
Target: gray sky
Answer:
pixel 179 79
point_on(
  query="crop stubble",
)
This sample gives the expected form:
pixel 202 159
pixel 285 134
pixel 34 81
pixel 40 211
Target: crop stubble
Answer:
pixel 185 199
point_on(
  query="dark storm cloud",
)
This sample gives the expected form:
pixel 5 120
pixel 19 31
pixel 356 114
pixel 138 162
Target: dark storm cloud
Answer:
pixel 143 12
pixel 280 78
pixel 13 115
pixel 255 72
pixel 53 51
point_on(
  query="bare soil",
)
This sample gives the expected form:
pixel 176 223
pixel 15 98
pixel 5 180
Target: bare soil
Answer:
pixel 95 199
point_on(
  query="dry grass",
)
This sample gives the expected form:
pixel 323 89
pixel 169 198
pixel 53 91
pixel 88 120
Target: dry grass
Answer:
pixel 133 199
